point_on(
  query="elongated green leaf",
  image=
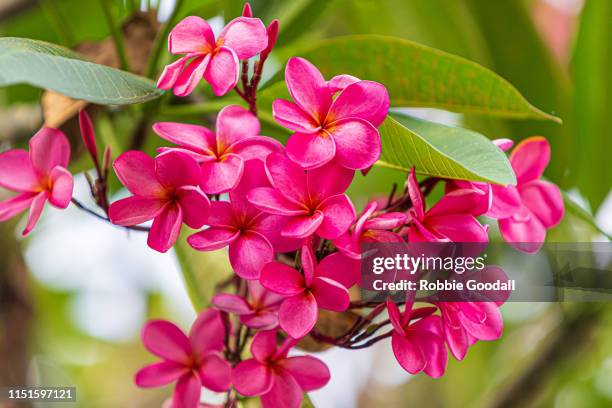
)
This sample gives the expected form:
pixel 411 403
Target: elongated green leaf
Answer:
pixel 417 75
pixel 592 65
pixel 52 67
pixel 442 151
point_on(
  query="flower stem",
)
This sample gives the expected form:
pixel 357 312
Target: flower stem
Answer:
pixel 116 34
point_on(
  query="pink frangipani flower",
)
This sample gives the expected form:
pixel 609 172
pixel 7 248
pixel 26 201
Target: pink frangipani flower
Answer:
pixel 452 219
pixel 260 311
pixel 217 61
pixel 38 176
pixel 193 362
pixel 222 154
pixel 165 189
pixel 312 201
pixel 464 323
pixel 252 236
pixel 281 381
pixel 325 127
pixel 418 346
pixel 304 294
pixel 541 204
pixel 370 228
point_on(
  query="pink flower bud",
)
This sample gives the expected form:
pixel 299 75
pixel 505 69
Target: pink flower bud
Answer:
pixel 272 36
pixel 246 11
pixel 88 135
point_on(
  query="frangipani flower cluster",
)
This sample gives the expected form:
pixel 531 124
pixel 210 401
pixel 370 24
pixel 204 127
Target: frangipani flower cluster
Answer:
pixel 292 232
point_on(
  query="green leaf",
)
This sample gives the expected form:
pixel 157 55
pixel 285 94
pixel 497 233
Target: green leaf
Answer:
pixel 592 63
pixel 518 53
pixel 416 75
pixel 56 68
pixel 442 151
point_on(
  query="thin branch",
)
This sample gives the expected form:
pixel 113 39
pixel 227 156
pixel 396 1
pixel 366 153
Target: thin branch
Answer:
pixel 81 206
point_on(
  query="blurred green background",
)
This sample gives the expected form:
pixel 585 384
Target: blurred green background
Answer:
pixel 59 327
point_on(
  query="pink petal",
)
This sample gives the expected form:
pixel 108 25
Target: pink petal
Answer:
pixel 174 169
pixel 321 185
pixel 252 378
pixel 339 216
pixel 287 176
pixel 456 336
pixel 166 340
pixel 366 100
pixel 303 226
pixel 311 150
pixel 309 263
pixel 263 346
pixel 221 214
pixel 396 318
pixel 337 266
pixel 36 208
pixel 253 176
pixel 166 228
pixel 348 245
pixel 49 148
pixel 231 304
pixel 213 238
pixel 270 226
pixel 223 175
pixel 195 137
pixel 458 228
pixel 298 314
pixel 249 253
pixel 529 231
pixel 309 372
pixel 135 210
pixel 330 295
pixel 207 332
pixel 503 144
pixel 87 134
pixel 245 36
pixel 286 392
pixel 136 171
pixel 434 351
pixel 171 73
pixel 282 279
pixel 291 116
pixel 222 71
pixel 339 82
pixel 215 373
pixel 386 221
pixel 187 391
pixel 191 34
pixel 462 201
pixel 381 236
pixel 272 201
pixel 15 205
pixel 357 143
pixel 62 185
pixel 159 374
pixel 235 123
pixel 261 320
pixel 195 205
pixel 190 77
pixel 308 88
pixel 544 200
pixel 408 355
pixel 529 159
pixel 16 171
pixel 256 147
pixel 492 326
pixel 506 202
pixel 418 204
